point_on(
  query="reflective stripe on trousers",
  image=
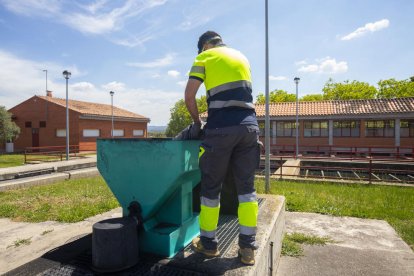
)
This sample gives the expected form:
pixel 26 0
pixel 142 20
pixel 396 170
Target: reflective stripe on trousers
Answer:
pixel 247 212
pixel 209 215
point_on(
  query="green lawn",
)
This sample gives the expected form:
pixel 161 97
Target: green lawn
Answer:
pixel 11 160
pixel 77 199
pixel 65 201
pixel 392 204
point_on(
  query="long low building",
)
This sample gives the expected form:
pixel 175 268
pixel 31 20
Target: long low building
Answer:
pixel 367 124
pixel 42 121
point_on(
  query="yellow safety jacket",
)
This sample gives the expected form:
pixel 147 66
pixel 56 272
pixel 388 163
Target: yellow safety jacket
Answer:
pixel 227 78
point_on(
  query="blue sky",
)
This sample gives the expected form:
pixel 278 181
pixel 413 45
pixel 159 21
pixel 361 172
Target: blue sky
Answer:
pixel 143 50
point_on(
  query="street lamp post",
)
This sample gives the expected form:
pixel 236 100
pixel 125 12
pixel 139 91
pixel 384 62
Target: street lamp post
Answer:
pixel 46 80
pixel 267 120
pixel 66 75
pixel 112 112
pixel 296 79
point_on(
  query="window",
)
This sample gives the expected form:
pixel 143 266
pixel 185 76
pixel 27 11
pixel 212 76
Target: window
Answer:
pixel 27 124
pixel 118 133
pixel 42 124
pixel 286 129
pixel 60 132
pixel 316 129
pixel 262 128
pixel 346 128
pixel 407 128
pixel 380 128
pixel 91 133
pixel 138 132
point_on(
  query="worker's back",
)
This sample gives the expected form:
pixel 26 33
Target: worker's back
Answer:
pixel 227 78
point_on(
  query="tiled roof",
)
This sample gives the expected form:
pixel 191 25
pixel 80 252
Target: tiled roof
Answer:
pixel 94 109
pixel 339 107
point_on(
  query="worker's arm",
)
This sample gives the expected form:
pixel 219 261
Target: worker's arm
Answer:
pixel 190 99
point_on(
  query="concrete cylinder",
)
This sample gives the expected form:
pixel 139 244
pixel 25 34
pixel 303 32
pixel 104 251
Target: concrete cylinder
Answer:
pixel 9 147
pixel 114 244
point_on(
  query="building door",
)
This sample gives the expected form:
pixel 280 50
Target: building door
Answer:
pixel 35 137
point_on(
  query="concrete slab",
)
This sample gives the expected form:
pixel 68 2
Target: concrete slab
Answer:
pixel 47 179
pixel 43 237
pixel 290 168
pixel 363 247
pixel 58 166
pixel 270 231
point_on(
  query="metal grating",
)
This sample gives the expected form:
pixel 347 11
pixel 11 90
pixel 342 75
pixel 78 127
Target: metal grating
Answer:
pixel 227 232
pixel 141 269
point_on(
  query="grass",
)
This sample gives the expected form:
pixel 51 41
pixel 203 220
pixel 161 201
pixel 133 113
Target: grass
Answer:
pixel 11 160
pixel 20 242
pixel 66 201
pixel 77 199
pixel 291 245
pixel 392 204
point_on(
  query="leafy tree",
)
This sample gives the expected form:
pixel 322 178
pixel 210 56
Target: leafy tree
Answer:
pixel 276 96
pixel 348 90
pixel 311 98
pixel 8 129
pixel 393 88
pixel 180 117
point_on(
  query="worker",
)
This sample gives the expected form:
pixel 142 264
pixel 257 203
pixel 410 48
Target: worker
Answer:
pixel 230 140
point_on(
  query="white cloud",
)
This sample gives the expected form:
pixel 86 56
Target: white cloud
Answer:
pixel 161 62
pixel 16 86
pixel 152 103
pixel 82 86
pixel 173 73
pixel 277 78
pixel 369 27
pixel 325 66
pixel 309 68
pixel 114 86
pixel 99 17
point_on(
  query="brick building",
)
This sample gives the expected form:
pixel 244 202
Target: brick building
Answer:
pixel 375 123
pixel 42 120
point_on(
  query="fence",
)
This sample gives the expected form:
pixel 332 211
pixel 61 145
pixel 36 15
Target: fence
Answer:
pixel 370 170
pixel 56 153
pixel 344 151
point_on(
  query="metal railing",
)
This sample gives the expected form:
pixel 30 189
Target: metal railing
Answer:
pixel 344 151
pixel 55 153
pixel 366 170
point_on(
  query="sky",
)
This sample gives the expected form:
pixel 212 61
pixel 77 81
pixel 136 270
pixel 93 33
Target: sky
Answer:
pixel 143 49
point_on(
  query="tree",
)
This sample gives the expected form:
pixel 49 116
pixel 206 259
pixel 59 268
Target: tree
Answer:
pixel 180 117
pixel 348 90
pixel 393 88
pixel 276 96
pixel 311 98
pixel 8 129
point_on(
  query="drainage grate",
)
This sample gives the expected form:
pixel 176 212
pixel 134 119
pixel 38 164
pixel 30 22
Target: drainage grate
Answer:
pixel 141 269
pixel 227 232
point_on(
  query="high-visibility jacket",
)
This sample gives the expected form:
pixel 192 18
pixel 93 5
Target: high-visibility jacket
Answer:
pixel 227 78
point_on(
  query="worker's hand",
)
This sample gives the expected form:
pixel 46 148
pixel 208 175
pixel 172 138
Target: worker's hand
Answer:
pixel 196 130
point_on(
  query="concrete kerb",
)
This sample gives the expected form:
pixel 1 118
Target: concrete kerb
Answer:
pixel 61 170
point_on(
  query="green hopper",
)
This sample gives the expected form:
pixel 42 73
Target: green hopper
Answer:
pixel 153 179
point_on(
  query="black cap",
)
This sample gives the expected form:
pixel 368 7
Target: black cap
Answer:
pixel 207 37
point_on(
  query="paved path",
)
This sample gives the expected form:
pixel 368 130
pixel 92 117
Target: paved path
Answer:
pixel 363 247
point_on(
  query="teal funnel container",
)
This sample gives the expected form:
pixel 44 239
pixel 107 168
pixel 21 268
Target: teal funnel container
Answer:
pixel 160 175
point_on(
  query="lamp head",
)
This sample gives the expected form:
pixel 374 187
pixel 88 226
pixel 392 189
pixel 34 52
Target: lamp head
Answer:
pixel 66 74
pixel 112 93
pixel 296 80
